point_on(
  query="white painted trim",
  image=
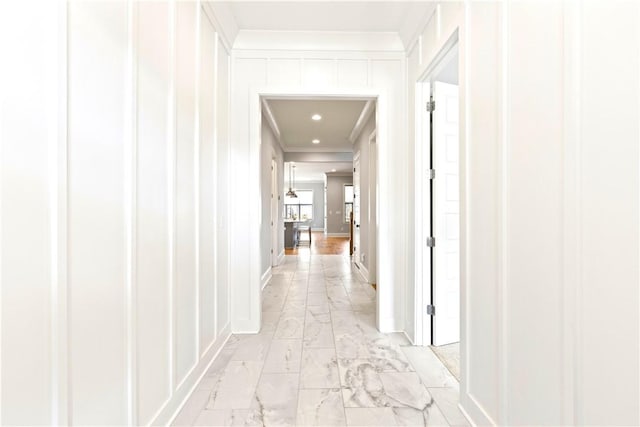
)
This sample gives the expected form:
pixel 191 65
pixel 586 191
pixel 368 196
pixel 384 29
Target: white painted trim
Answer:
pixel 337 234
pixel 130 209
pixel 228 32
pixel 385 316
pixel 366 112
pixel 196 178
pixel 266 276
pixel 317 229
pixel 503 213
pixel 281 257
pixel 170 409
pixel 59 239
pixel 417 37
pixel 271 121
pixel 475 413
pixel 216 181
pixel 364 272
pixel 423 334
pixel 171 197
pixel 323 41
pixel 572 296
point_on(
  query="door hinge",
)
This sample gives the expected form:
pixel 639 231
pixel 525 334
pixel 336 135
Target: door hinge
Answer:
pixel 271 250
pixel 431 310
pixel 431 173
pixel 431 106
pixel 354 169
pixel 431 242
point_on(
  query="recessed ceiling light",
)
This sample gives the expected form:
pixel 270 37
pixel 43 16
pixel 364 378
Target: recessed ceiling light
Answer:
pixel 316 141
pixel 316 117
pixel 333 170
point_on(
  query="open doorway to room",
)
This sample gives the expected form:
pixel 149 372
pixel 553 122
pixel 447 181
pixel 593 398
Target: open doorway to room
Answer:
pixel 440 230
pixel 313 142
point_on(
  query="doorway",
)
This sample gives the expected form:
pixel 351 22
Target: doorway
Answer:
pixel 440 193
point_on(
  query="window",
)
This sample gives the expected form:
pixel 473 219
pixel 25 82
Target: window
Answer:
pixel 301 207
pixel 348 202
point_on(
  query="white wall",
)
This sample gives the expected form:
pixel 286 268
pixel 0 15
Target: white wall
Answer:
pixel 328 64
pixel 550 208
pixel 114 235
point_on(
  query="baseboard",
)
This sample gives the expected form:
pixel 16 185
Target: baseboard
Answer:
pixel 474 412
pixel 408 337
pixel 363 271
pixel 281 257
pixel 337 234
pixel 317 229
pixel 172 407
pixel 266 276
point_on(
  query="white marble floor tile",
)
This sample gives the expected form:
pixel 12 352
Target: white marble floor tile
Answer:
pixel 246 417
pixel 447 400
pixel 406 389
pixel 375 417
pixel 387 357
pixel 431 370
pixel 351 346
pixel 252 347
pixel 291 325
pixel 274 396
pixel 319 368
pixel 317 298
pixel 237 386
pixel 192 409
pixel 320 360
pixel 320 407
pixel 214 418
pixel 284 357
pixel 270 321
pixel 414 417
pixel 361 384
pixel 318 331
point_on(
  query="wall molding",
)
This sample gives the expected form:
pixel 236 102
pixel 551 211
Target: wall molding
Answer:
pixel 337 234
pixel 313 40
pixel 59 243
pixel 266 276
pixel 172 407
pixel 281 257
pixel 366 112
pixel 364 272
pixel 474 412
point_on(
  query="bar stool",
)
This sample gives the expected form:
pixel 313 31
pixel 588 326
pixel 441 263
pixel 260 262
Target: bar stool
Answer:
pixel 302 228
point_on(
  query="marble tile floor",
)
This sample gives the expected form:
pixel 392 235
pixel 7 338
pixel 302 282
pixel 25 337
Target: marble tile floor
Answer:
pixel 449 355
pixel 319 361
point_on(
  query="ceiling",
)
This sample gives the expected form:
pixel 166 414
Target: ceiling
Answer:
pixel 297 129
pixel 314 172
pixel 402 17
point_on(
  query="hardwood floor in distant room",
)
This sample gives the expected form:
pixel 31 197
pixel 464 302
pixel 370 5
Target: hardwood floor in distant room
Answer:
pixel 321 245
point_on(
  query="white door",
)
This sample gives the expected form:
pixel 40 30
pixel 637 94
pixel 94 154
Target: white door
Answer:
pixel 356 209
pixel 446 214
pixel 274 213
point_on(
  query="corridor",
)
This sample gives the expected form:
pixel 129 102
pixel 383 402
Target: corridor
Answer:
pixel 319 360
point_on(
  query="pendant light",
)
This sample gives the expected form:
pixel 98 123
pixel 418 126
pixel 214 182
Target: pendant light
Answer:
pixel 292 183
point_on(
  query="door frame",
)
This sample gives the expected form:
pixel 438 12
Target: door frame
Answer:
pixel 423 269
pixel 275 209
pixel 357 251
pixel 372 210
pixel 385 298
